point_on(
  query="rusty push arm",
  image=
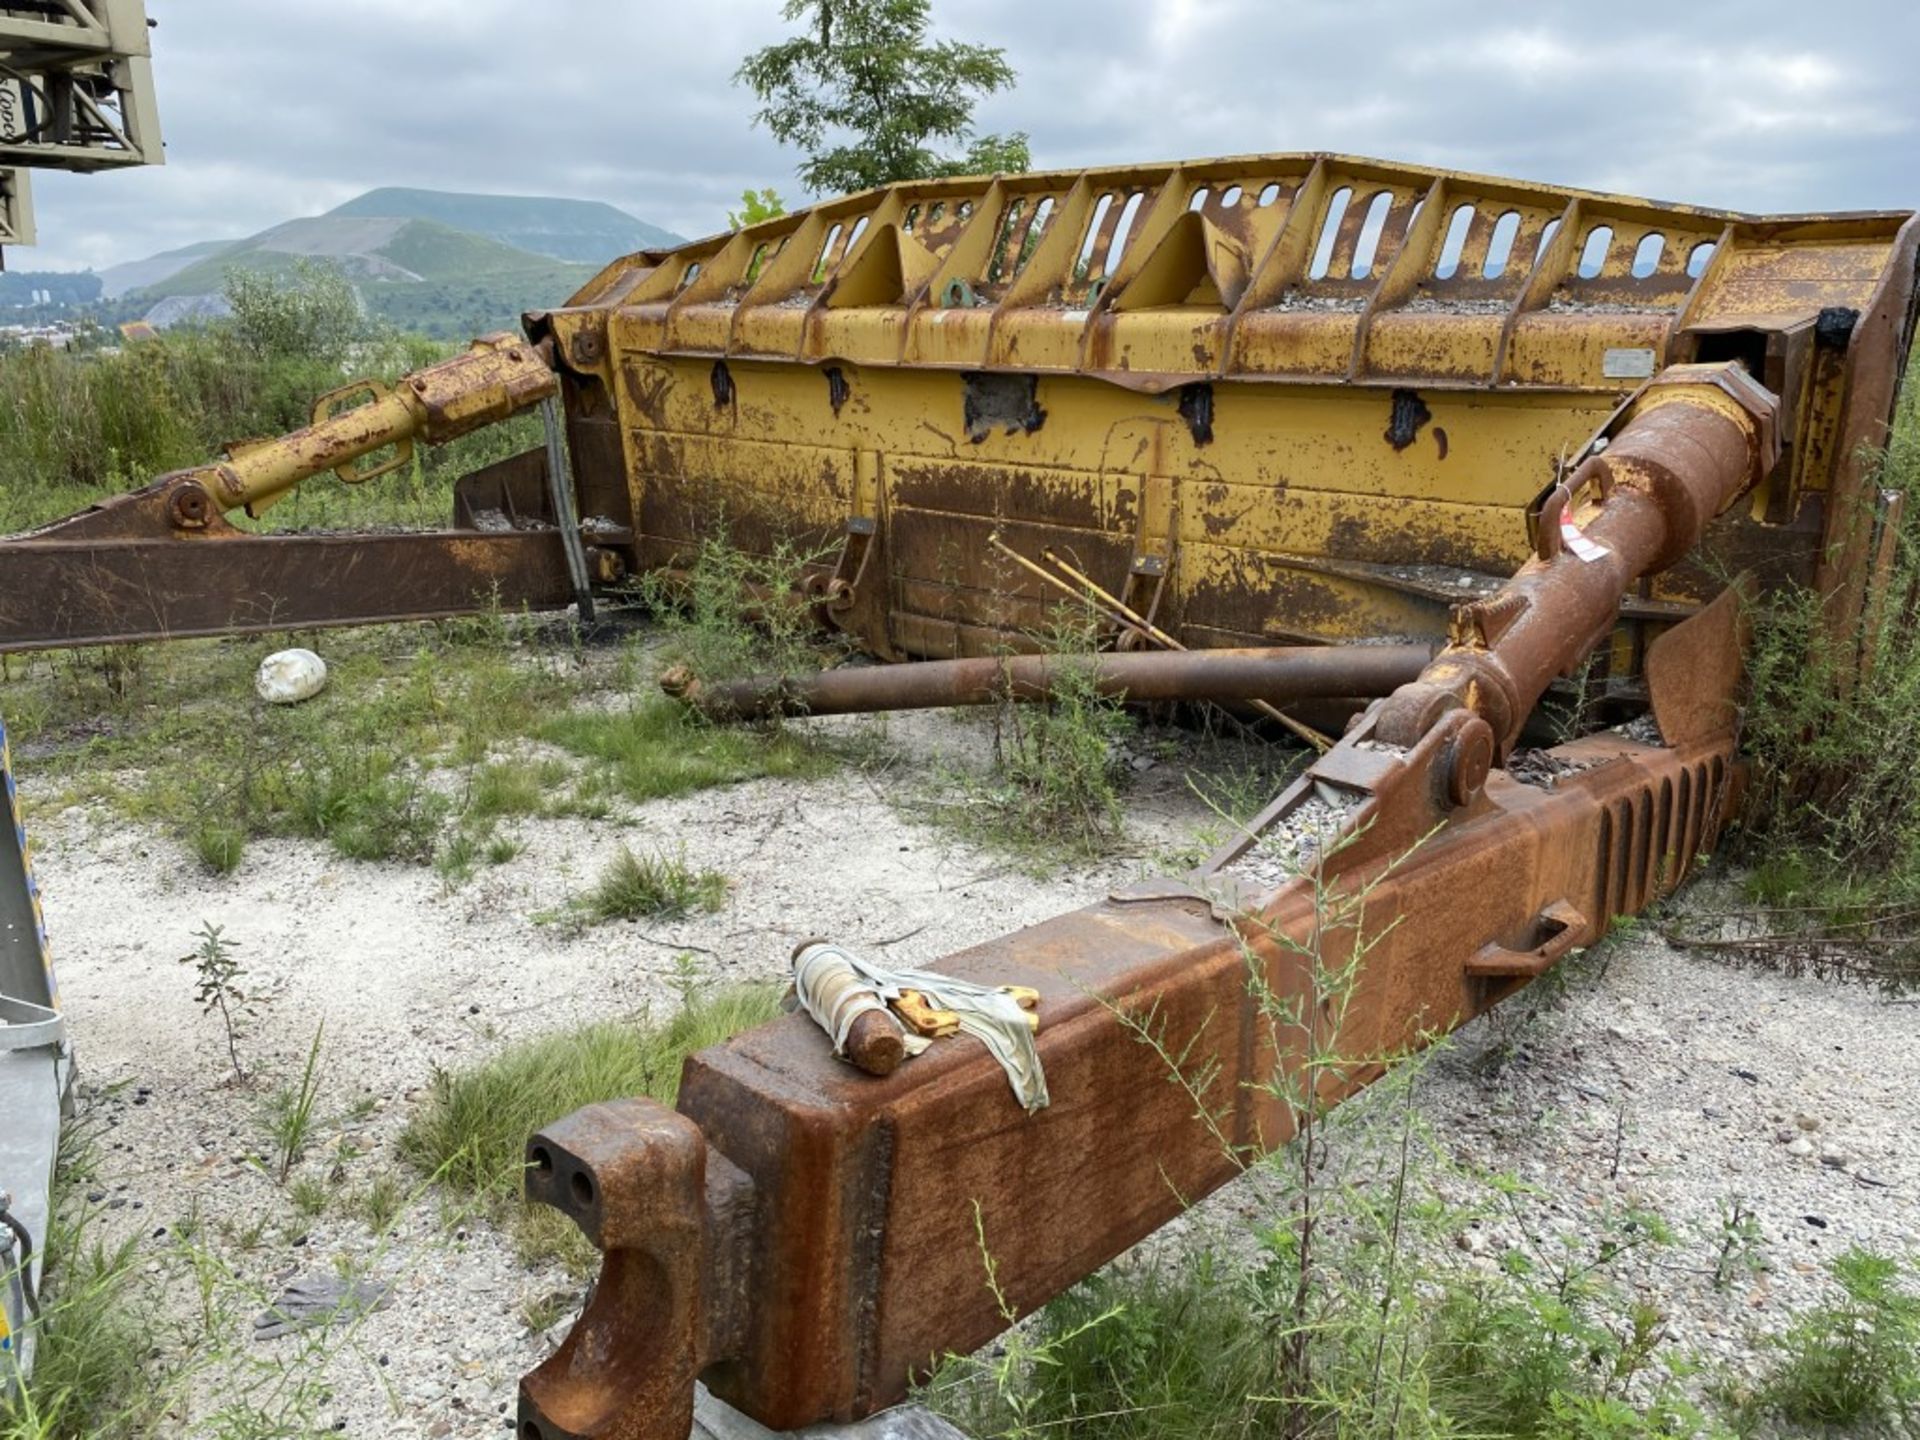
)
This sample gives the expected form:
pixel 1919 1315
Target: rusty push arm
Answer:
pixel 819 1234
pixel 1690 444
pixel 498 377
pixel 164 562
pixel 1279 674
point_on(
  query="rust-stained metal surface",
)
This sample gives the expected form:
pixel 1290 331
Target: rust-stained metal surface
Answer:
pixel 1689 445
pixel 1281 675
pixel 165 562
pixel 1274 400
pixel 1277 399
pixel 839 1256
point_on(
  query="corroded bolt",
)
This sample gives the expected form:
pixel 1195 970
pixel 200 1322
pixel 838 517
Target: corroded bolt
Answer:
pixel 190 507
pixel 1469 760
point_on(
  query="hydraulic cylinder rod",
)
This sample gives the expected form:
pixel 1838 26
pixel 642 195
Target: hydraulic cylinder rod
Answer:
pixel 1694 441
pixel 1277 675
pixel 496 378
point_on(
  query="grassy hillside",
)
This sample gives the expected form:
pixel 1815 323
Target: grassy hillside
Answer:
pixel 423 276
pixel 432 262
pixel 584 231
pixel 130 275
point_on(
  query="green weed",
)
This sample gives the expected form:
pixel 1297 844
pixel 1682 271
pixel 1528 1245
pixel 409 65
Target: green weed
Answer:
pixel 1053 793
pixel 310 1196
pixel 217 844
pixel 380 1204
pixel 217 990
pixel 471 1131
pixel 290 1109
pixel 94 1330
pixel 1854 1362
pixel 1832 820
pixel 734 614
pixel 651 886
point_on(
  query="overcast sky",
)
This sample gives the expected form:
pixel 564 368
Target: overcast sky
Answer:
pixel 277 108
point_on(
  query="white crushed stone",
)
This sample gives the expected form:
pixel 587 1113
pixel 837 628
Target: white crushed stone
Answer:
pixel 1661 1079
pixel 1291 844
pixel 409 973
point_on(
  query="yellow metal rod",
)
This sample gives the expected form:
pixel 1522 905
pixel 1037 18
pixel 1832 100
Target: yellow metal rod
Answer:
pixel 497 377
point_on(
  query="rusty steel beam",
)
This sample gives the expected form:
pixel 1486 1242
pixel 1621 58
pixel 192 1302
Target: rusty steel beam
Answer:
pixel 164 562
pixel 802 1236
pixel 1280 674
pixel 805 1238
pixel 1691 443
pixel 56 593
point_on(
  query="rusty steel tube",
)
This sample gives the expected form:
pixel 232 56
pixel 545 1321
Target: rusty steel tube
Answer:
pixel 1277 674
pixel 1698 439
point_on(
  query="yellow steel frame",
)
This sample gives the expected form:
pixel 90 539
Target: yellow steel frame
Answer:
pixel 1318 395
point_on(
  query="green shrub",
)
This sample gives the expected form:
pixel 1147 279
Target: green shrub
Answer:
pixel 1835 790
pixel 1854 1362
pixel 1832 819
pixel 735 614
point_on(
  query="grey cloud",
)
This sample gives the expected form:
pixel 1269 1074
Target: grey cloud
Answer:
pixel 288 108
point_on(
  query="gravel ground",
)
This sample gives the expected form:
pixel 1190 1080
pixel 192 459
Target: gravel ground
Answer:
pixel 1655 1078
pixel 1680 1085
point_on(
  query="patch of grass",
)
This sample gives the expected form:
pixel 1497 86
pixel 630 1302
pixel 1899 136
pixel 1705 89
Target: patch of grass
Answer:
pixel 380 1204
pixel 655 749
pixel 310 1196
pixel 500 849
pixel 541 1312
pixel 96 1326
pixel 1174 1349
pixel 505 788
pixel 182 742
pixel 365 799
pixel 1853 1363
pixel 290 1109
pixel 457 856
pixel 219 845
pixel 651 886
pixel 471 1130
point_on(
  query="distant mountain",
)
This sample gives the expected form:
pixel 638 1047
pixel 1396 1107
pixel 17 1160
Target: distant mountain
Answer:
pixel 412 263
pixel 117 280
pixel 368 250
pixel 581 230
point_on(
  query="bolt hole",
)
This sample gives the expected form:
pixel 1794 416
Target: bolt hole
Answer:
pixel 530 1430
pixel 582 1186
pixel 542 1160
